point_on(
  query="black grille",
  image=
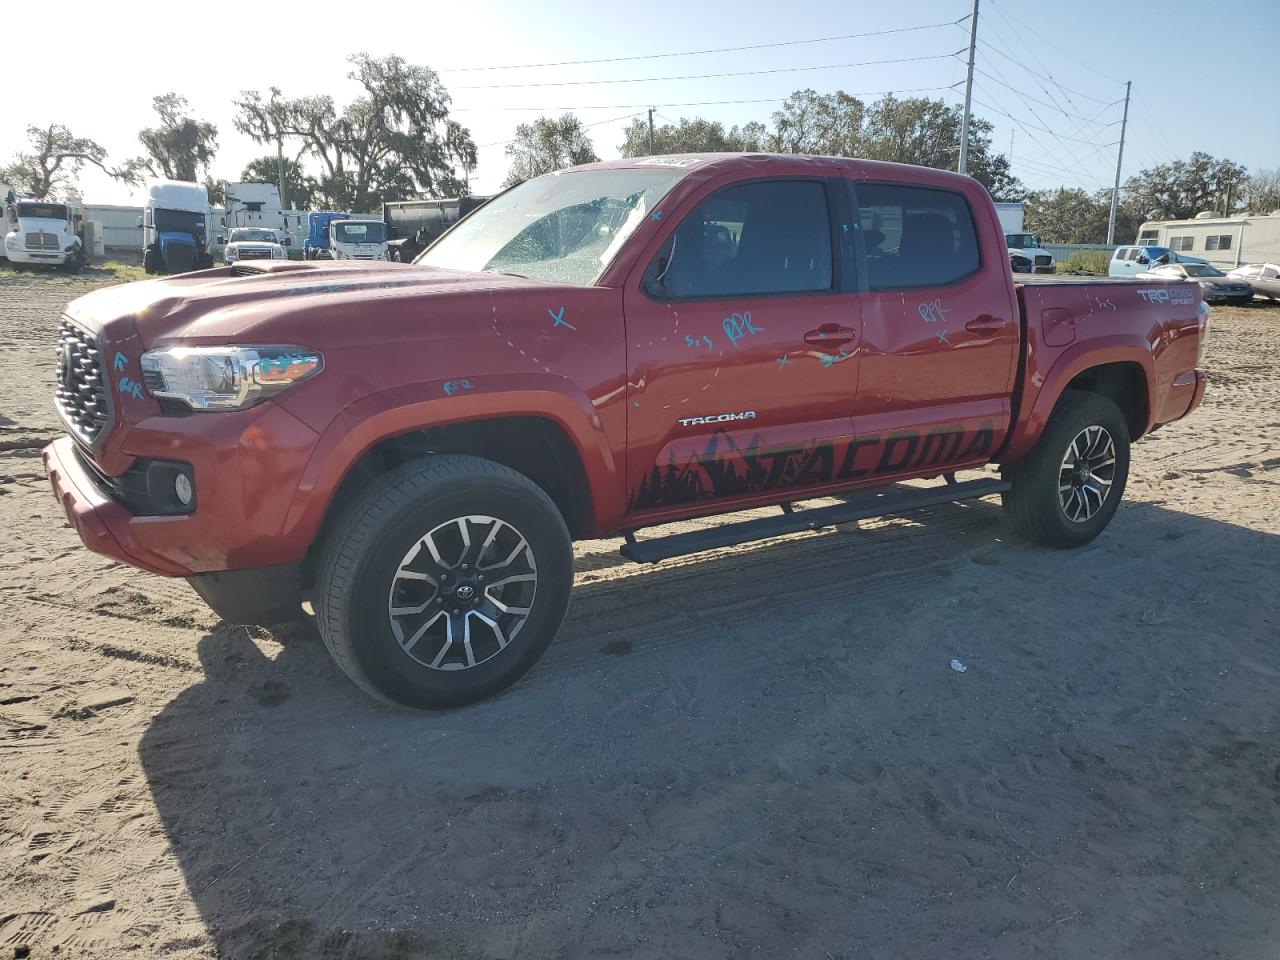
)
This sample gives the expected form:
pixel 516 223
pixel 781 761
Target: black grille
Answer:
pixel 81 397
pixel 1043 261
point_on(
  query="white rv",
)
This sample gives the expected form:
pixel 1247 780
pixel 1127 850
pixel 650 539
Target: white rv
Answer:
pixel 1225 242
pixel 256 205
pixel 175 227
pixel 44 232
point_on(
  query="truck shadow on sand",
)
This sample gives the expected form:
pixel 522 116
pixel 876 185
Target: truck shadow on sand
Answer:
pixel 777 759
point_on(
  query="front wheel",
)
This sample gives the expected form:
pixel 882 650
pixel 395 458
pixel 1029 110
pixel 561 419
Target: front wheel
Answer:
pixel 444 582
pixel 1067 489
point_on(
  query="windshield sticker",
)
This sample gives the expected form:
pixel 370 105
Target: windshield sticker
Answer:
pixel 668 162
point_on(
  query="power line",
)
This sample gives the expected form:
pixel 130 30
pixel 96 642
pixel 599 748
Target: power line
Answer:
pixel 1045 103
pixel 597 123
pixel 1082 63
pixel 698 53
pixel 704 76
pixel 1044 76
pixel 1025 125
pixel 693 103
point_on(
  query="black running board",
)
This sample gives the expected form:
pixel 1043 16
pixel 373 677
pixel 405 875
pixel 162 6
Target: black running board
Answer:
pixel 793 521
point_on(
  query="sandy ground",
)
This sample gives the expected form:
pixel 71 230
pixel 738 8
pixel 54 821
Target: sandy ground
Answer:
pixel 761 752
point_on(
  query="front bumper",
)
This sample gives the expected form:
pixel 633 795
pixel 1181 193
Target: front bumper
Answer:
pixel 39 256
pixel 246 467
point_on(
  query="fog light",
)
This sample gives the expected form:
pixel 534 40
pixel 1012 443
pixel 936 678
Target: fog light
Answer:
pixel 182 489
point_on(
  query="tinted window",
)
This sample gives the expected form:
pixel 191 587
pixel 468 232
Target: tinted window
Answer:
pixel 773 236
pixel 1222 242
pixel 1182 243
pixel 915 236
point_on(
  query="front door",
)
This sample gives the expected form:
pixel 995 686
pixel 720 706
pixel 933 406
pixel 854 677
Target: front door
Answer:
pixel 940 330
pixel 741 350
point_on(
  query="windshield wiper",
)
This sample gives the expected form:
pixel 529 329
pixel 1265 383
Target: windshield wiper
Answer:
pixel 509 273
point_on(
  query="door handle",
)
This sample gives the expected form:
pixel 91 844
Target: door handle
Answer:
pixel 830 333
pixel 985 325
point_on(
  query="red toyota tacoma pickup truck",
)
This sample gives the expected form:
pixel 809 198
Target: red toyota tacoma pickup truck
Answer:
pixel 412 448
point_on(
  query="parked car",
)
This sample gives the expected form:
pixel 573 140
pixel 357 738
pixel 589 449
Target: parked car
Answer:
pixel 595 352
pixel 1026 255
pixel 1263 277
pixel 252 243
pixel 1216 286
pixel 1131 261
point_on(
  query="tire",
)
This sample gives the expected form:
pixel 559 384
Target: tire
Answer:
pixel 379 558
pixel 151 261
pixel 1038 506
pixel 76 262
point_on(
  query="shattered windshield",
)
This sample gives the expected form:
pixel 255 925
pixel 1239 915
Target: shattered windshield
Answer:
pixel 564 228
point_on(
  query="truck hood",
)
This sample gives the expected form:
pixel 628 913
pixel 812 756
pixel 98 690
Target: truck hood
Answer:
pixel 38 225
pixel 327 304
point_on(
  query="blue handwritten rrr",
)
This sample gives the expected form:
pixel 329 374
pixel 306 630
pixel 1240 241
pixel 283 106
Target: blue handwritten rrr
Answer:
pixel 738 326
pixel 130 388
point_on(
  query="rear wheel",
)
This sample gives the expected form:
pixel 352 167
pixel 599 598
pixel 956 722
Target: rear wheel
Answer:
pixel 1067 489
pixel 444 582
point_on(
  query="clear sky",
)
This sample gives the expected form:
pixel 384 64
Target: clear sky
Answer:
pixel 1203 80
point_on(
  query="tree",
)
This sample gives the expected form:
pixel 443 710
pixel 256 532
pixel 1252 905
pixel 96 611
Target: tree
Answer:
pixel 54 159
pixel 180 145
pixel 548 144
pixel 1262 192
pixel 393 141
pixel 299 188
pixel 688 136
pixel 1072 215
pixel 927 132
pixel 1183 188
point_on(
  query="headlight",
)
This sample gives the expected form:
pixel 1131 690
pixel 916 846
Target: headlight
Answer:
pixel 226 378
pixel 11 241
pixel 277 253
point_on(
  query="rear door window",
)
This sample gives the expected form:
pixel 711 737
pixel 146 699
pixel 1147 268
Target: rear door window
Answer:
pixel 915 237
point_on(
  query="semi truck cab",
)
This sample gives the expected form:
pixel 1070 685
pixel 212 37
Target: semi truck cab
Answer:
pixel 45 232
pixel 175 227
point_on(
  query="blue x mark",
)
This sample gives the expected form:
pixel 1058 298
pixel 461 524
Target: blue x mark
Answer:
pixel 558 317
pixel 783 361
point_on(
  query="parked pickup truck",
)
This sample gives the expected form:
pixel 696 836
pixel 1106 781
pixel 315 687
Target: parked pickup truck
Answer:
pixel 411 449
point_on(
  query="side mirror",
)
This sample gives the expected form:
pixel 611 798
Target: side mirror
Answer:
pixel 222 239
pixel 286 242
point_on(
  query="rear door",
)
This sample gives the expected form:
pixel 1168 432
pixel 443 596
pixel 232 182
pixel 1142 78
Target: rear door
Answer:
pixel 940 329
pixel 741 348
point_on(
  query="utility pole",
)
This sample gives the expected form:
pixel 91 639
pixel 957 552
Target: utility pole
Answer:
pixel 1115 190
pixel 651 131
pixel 280 168
pixel 963 166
